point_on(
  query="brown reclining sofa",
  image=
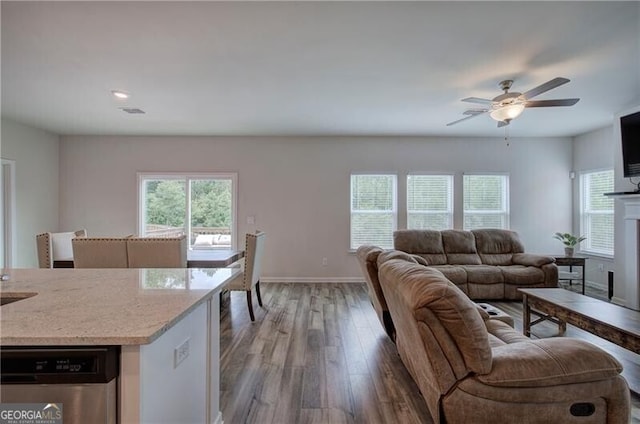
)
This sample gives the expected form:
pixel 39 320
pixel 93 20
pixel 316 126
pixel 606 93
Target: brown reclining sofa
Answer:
pixel 471 369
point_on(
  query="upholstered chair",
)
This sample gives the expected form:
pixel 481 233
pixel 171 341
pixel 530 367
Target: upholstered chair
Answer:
pixel 252 268
pixel 157 252
pixel 99 252
pixel 53 247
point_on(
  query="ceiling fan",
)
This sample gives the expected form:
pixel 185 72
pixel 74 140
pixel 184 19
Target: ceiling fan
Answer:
pixel 509 105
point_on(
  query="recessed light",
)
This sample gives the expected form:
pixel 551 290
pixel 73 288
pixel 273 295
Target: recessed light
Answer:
pixel 120 94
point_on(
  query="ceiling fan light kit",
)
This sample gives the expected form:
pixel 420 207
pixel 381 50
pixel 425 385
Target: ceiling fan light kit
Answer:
pixel 510 105
pixel 507 113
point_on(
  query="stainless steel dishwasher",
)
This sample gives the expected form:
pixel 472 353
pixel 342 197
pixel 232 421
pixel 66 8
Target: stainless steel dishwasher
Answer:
pixel 82 379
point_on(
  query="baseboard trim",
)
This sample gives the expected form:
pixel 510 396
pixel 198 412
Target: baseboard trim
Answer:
pixel 597 285
pixel 618 301
pixel 311 280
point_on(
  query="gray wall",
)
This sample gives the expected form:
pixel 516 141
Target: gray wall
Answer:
pixel 591 152
pixel 36 156
pixel 298 187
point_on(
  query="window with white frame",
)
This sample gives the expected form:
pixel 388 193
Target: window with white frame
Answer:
pixel 202 206
pixel 373 210
pixel 429 202
pixel 486 201
pixel 596 212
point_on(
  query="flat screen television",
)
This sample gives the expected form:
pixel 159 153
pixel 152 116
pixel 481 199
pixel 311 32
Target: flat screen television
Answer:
pixel 630 134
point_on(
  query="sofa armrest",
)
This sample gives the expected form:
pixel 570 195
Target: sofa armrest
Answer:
pixel 549 362
pixel 420 260
pixel 530 259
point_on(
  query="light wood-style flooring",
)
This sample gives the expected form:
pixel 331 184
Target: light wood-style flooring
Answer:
pixel 318 354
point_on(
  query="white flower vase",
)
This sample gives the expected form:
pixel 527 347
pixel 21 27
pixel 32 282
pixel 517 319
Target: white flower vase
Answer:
pixel 568 252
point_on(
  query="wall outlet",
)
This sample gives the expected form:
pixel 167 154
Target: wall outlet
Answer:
pixel 324 261
pixel 180 353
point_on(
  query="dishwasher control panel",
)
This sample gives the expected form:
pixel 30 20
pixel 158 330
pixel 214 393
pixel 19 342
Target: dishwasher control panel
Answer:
pixel 42 365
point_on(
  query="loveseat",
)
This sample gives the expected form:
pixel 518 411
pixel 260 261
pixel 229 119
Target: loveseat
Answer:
pixel 471 369
pixel 484 264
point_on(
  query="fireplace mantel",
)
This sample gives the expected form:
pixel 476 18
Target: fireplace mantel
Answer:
pixel 630 277
pixel 624 195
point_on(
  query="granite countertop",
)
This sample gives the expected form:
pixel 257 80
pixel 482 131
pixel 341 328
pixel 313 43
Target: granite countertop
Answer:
pixel 101 306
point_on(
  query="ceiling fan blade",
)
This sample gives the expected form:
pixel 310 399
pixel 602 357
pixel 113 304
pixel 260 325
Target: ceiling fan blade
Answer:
pixel 474 111
pixel 471 114
pixel 549 85
pixel 547 103
pixel 477 100
pixel 503 124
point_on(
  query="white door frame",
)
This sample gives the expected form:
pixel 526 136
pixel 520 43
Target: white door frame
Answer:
pixel 8 239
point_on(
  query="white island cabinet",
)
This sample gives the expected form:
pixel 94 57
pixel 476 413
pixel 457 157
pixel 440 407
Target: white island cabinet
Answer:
pixel 166 322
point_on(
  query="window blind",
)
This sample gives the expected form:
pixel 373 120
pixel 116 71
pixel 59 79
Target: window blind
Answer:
pixel 373 210
pixel 597 212
pixel 486 201
pixel 430 202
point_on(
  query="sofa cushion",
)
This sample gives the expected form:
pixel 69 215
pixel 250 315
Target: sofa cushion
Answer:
pixel 548 362
pixel 522 275
pixel 203 241
pixel 496 247
pixel 456 274
pixel 460 247
pixel 484 282
pixel 425 243
pixel 483 274
pixel 505 333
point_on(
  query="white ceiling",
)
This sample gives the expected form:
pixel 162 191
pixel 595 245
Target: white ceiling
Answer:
pixel 313 68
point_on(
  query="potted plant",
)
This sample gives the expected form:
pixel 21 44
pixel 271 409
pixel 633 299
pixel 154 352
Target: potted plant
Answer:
pixel 569 241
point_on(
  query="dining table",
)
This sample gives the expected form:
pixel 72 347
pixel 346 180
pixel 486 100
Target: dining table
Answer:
pixel 196 258
pixel 213 258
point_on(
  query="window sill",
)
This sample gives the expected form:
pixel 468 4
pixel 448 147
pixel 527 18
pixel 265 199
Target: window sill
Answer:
pixel 596 255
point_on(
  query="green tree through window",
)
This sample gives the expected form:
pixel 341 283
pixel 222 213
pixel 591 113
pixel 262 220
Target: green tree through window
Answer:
pixel 192 205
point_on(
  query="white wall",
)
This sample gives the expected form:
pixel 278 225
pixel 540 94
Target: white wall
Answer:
pixel 591 152
pixel 298 187
pixel 36 156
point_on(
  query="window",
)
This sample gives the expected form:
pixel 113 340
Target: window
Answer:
pixel 430 202
pixel 486 201
pixel 373 210
pixel 596 212
pixel 202 206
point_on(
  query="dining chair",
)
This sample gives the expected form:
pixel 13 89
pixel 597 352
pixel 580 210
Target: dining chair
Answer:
pixel 157 252
pixel 251 269
pixel 99 252
pixel 53 247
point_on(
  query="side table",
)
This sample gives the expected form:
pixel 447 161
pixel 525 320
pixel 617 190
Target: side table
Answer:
pixel 572 261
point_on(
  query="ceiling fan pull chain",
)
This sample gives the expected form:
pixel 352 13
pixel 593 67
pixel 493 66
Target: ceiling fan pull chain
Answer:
pixel 506 135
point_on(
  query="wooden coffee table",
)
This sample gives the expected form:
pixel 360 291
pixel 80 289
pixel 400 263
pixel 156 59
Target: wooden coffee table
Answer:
pixel 614 323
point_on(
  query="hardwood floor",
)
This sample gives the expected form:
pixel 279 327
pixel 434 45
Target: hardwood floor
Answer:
pixel 318 354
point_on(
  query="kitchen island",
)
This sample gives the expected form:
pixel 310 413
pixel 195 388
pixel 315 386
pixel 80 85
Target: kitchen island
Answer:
pixel 165 321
